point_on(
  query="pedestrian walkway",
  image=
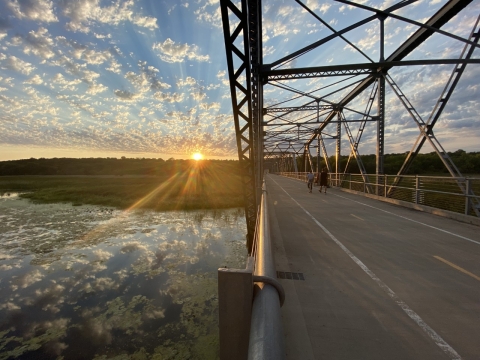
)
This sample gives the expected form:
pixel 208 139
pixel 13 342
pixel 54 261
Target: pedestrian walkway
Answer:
pixel 380 281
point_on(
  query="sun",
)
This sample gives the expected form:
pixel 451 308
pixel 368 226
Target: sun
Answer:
pixel 197 156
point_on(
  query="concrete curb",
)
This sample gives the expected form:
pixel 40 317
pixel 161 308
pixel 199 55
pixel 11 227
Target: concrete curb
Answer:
pixel 428 209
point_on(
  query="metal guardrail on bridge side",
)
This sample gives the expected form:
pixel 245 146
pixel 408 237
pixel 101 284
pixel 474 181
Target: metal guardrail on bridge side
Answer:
pixel 441 192
pixel 250 299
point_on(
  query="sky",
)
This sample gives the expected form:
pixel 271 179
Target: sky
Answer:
pixel 138 78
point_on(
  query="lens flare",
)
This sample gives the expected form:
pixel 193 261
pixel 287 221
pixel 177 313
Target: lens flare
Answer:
pixel 197 156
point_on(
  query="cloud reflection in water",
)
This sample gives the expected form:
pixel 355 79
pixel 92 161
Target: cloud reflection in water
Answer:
pixel 142 287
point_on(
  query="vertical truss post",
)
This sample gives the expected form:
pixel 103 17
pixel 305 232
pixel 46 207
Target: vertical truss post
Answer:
pixel 305 159
pixel 380 127
pixel 241 105
pixel 338 145
pixel 318 153
pixel 309 159
pixel 255 47
pixel 354 153
pixel 295 166
pixel 468 188
pixel 382 38
pixel 324 152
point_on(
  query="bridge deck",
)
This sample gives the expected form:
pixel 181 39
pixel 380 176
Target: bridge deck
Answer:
pixel 381 281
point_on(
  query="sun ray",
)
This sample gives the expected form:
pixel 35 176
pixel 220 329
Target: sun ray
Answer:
pixel 113 221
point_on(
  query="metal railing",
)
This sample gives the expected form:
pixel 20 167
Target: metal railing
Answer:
pixel 441 192
pixel 266 331
pixel 250 301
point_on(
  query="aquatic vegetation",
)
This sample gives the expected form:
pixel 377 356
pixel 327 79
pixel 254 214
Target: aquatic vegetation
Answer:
pixel 93 282
pixel 190 188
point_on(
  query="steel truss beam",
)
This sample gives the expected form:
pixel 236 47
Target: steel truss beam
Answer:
pixel 242 104
pixel 441 17
pixel 258 139
pixel 426 129
pixel 354 69
pixel 296 108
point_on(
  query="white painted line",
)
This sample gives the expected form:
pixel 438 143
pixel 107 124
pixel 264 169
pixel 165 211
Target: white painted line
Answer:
pixel 358 217
pixel 415 221
pixel 442 344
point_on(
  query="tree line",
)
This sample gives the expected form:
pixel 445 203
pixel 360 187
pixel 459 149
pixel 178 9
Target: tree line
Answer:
pixel 108 166
pixel 430 163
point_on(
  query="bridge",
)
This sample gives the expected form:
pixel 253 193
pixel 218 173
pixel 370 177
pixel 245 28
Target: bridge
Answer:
pixel 359 272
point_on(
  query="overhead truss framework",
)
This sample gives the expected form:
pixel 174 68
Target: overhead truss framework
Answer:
pixel 352 96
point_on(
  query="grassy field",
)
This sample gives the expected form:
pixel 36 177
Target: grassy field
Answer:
pixel 199 186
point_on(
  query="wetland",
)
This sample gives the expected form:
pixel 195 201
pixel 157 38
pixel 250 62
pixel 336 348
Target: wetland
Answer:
pixel 100 282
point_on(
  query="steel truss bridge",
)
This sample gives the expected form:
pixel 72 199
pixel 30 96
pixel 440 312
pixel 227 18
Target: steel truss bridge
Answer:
pixel 271 134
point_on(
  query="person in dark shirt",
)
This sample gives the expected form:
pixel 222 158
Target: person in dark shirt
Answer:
pixel 323 180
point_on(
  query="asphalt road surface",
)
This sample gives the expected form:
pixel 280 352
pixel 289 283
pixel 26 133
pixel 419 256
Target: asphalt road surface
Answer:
pixel 381 281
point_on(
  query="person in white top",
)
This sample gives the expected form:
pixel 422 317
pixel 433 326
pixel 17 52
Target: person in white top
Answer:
pixel 310 178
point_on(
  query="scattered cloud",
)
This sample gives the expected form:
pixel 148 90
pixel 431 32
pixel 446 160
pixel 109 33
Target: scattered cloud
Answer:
pixel 85 14
pixel 171 52
pixel 35 80
pixel 169 97
pixel 188 81
pixel 37 10
pixel 16 64
pixel 122 76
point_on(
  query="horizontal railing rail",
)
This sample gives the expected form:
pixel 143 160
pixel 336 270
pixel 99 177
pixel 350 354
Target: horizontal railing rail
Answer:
pixel 442 192
pixel 266 331
pixel 250 300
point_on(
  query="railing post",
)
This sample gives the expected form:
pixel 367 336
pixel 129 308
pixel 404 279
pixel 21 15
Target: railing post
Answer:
pixel 235 296
pixel 384 185
pixel 467 195
pixel 417 191
pixel 364 186
pixel 350 181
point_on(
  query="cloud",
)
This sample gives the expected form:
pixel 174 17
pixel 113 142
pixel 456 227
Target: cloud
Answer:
pixel 37 10
pixel 35 80
pixel 126 95
pixel 39 43
pixel 210 106
pixel 198 95
pixel 95 88
pixel 84 14
pixel 114 67
pixel 147 79
pixel 171 52
pixel 16 64
pixel 188 81
pixel 4 26
pixel 169 97
pixel 78 70
pixel 210 13
pixel 59 79
pixel 314 5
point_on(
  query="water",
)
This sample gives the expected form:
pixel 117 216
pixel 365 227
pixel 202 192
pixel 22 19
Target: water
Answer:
pixel 90 282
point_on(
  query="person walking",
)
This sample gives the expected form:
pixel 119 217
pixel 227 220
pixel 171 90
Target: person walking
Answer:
pixel 323 180
pixel 310 178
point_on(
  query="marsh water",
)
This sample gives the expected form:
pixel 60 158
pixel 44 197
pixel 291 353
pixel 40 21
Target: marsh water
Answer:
pixel 88 282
